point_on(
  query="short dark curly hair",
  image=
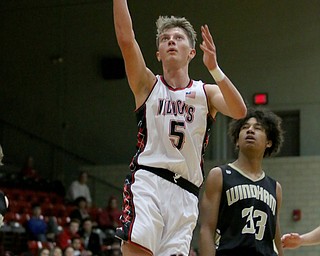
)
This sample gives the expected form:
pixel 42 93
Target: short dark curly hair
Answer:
pixel 270 122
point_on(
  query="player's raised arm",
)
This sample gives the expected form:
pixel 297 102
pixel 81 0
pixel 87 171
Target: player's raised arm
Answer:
pixel 225 97
pixel 140 78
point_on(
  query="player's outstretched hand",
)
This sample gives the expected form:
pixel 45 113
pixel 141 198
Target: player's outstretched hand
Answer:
pixel 209 49
pixel 291 241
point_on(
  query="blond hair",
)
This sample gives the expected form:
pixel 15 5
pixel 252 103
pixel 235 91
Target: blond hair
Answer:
pixel 164 22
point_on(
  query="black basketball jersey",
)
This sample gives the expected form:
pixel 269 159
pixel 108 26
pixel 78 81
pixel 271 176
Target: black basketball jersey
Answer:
pixel 247 215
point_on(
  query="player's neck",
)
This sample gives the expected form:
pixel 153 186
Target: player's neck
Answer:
pixel 250 166
pixel 177 78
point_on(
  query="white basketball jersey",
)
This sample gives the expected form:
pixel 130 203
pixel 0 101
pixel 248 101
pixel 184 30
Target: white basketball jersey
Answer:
pixel 173 129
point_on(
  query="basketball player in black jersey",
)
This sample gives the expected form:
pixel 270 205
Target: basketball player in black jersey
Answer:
pixel 240 205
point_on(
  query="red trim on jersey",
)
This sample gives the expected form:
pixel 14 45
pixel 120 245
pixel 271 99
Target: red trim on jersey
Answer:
pixel 176 89
pixel 205 92
pixel 129 213
pixel 132 208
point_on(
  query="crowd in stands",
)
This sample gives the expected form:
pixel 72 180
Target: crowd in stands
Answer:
pixel 64 226
pixel 56 223
pixel 51 221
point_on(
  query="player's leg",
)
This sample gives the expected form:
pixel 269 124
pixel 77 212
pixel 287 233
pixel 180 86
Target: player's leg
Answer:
pixel 180 209
pixel 129 249
pixel 142 221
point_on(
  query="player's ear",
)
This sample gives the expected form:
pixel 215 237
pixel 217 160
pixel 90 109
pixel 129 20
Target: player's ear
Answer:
pixel 158 56
pixel 192 53
pixel 269 143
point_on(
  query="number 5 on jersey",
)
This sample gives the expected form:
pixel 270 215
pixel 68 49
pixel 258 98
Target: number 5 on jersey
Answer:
pixel 177 136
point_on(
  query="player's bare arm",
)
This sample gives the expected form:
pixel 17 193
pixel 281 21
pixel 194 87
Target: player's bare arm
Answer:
pixel 278 231
pixel 295 240
pixel 224 98
pixel 209 211
pixel 312 237
pixel 140 78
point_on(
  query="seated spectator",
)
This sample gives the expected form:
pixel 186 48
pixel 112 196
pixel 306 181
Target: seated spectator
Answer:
pixel 81 212
pixel 79 188
pixel 115 249
pixel 109 217
pixel 77 246
pixel 36 225
pixel 53 228
pixel 65 236
pixel 44 252
pixel 68 251
pixel 91 240
pixel 56 251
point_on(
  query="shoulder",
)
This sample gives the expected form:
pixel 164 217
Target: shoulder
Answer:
pixel 215 172
pixel 214 178
pixel 274 183
pixel 278 189
pixel 218 171
pixel 211 88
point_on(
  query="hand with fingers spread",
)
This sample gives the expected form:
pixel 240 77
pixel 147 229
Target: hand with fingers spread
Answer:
pixel 209 49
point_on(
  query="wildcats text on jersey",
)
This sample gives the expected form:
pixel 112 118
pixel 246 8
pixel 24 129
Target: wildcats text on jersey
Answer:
pixel 178 107
pixel 242 192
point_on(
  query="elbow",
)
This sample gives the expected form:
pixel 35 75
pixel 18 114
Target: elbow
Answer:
pixel 124 41
pixel 123 44
pixel 241 113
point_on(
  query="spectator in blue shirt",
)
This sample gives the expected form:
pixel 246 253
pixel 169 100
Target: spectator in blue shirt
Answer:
pixel 36 225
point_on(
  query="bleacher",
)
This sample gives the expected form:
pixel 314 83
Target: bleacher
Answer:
pixel 13 235
pixel 50 195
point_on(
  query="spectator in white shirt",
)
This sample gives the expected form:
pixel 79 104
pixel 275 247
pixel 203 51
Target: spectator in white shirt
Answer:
pixel 79 188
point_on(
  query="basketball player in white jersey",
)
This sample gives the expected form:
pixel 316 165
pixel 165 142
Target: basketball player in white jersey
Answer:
pixel 174 113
